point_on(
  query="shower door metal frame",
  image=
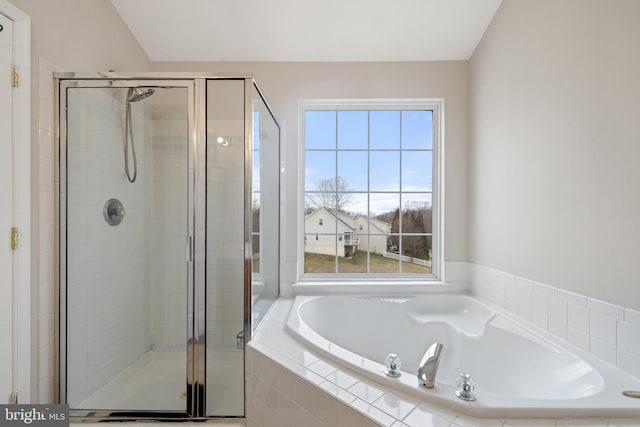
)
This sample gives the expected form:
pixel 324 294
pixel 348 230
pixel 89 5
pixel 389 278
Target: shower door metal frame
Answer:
pixel 196 84
pixel 65 81
pixel 248 217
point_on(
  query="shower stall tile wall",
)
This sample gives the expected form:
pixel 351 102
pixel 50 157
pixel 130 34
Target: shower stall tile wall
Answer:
pixel 225 269
pixel 168 231
pixel 49 245
pixel 108 286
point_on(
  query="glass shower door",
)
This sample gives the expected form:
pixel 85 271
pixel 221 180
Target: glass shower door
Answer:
pixel 242 233
pixel 265 208
pixel 169 242
pixel 125 277
pixel 225 249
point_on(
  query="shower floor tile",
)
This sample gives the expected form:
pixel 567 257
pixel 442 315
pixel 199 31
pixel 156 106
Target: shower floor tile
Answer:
pixel 157 382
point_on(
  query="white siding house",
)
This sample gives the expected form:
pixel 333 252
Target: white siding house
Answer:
pixel 323 228
pixel 375 238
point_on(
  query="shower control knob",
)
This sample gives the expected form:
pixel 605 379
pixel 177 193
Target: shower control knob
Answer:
pixel 113 212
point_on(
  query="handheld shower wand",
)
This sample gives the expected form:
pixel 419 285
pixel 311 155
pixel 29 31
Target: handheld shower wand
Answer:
pixel 134 94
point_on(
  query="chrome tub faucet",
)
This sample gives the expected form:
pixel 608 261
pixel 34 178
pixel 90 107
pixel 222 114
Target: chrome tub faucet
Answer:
pixel 429 366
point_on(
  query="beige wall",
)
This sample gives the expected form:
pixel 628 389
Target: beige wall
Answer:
pixel 86 35
pixel 555 143
pixel 549 101
pixel 284 84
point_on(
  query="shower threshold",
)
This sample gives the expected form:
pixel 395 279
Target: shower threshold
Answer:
pixel 157 382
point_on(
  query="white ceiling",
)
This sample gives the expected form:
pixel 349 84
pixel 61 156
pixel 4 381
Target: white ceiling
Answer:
pixel 305 30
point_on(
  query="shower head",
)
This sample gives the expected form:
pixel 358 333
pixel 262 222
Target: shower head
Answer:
pixel 136 94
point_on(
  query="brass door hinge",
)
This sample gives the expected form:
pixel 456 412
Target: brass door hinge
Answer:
pixel 14 238
pixel 15 77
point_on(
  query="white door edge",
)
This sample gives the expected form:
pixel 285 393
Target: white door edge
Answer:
pixel 22 199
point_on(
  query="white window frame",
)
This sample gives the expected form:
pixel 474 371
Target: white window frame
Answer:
pixel 434 104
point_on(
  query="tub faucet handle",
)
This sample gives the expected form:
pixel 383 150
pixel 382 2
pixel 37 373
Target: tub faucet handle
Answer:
pixel 465 386
pixel 393 363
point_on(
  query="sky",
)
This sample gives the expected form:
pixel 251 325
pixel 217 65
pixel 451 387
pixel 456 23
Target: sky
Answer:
pixel 388 153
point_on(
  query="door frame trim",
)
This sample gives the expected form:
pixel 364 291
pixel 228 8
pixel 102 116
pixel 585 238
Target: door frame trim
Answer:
pixel 22 200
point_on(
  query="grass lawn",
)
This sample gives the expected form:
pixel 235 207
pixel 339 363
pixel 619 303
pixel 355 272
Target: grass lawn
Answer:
pixel 319 263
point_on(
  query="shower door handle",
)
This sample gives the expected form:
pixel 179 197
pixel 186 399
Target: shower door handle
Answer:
pixel 189 250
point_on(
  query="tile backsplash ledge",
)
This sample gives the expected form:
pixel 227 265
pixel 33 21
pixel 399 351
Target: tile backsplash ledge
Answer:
pixel 607 331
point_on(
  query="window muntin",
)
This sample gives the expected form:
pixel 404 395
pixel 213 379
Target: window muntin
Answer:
pixel 370 173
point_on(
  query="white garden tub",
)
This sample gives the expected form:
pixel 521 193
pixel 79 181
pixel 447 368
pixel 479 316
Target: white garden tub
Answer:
pixel 517 371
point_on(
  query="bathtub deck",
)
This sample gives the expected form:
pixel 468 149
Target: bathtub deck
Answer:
pixel 346 396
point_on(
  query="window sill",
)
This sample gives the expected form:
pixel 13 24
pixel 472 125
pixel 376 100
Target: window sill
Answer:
pixel 370 287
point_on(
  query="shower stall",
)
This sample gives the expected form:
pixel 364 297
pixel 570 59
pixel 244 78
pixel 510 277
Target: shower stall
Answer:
pixel 169 241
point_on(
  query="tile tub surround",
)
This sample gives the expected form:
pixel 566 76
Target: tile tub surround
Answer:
pixel 543 376
pixel 289 385
pixel 607 331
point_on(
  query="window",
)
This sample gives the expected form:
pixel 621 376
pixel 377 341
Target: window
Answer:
pixel 373 168
pixel 320 221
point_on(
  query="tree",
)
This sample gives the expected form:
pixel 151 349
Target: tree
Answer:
pixel 394 241
pixel 416 218
pixel 255 224
pixel 414 246
pixel 331 194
